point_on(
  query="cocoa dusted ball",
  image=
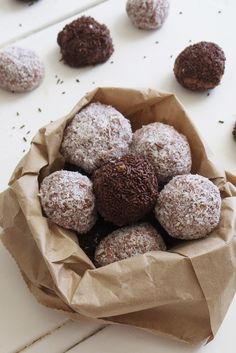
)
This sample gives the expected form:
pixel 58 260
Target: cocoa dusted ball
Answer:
pixel 127 242
pixel 147 14
pixel 200 67
pixel 97 134
pixel 67 199
pixel 167 150
pixel 126 189
pixel 85 42
pixel 189 207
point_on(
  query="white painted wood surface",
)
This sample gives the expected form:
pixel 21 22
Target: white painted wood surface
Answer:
pixel 20 18
pixel 141 59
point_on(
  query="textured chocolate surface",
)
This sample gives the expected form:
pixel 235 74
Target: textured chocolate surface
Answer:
pixel 85 42
pixel 147 14
pixel 67 199
pixel 97 134
pixel 167 150
pixel 200 66
pixel 126 189
pixel 21 70
pixel 189 207
pixel 127 242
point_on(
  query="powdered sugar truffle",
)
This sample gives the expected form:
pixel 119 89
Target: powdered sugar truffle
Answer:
pixel 147 14
pixel 67 199
pixel 189 207
pixel 127 242
pixel 167 150
pixel 21 70
pixel 97 134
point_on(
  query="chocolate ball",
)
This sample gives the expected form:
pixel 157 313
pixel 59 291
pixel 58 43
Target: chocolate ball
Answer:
pixel 126 189
pixel 147 14
pixel 200 67
pixel 85 42
pixel 189 207
pixel 21 70
pixel 167 150
pixel 97 134
pixel 67 199
pixel 234 132
pixel 127 242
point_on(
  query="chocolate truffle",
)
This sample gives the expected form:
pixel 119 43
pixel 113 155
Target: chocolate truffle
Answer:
pixel 234 132
pixel 96 134
pixel 67 199
pixel 147 14
pixel 189 207
pixel 126 189
pixel 21 70
pixel 85 42
pixel 127 242
pixel 166 149
pixel 200 67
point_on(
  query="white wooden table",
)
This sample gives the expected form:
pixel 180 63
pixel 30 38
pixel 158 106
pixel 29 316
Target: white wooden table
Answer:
pixel 141 59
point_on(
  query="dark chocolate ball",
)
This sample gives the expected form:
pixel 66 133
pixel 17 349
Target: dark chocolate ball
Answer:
pixel 126 189
pixel 85 42
pixel 200 67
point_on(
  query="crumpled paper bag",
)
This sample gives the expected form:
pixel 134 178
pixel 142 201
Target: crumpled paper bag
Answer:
pixel 183 293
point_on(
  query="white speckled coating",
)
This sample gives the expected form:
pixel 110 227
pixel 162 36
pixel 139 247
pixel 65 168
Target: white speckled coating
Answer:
pixel 21 70
pixel 127 242
pixel 167 150
pixel 97 134
pixel 67 199
pixel 147 14
pixel 189 207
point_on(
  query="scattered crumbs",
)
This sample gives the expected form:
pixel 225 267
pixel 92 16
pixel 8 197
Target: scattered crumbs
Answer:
pixel 190 41
pixel 25 139
pixel 39 110
pixel 56 76
pixel 23 151
pixel 208 94
pixel 93 83
pixel 20 25
pixel 22 126
pixel 17 113
pixel 13 127
pixel 219 11
pixel 221 121
pixel 63 92
pixel 144 57
pixel 171 56
pixel 28 132
pixel 156 42
pixel 60 60
pixel 180 13
pixel 112 62
pixel 61 82
pixel 77 80
pixel 51 121
pixel 58 81
pixel 12 91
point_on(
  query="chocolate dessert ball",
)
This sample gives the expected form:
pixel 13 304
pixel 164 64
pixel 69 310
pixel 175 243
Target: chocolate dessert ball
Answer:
pixel 166 149
pixel 147 14
pixel 96 134
pixel 21 70
pixel 67 199
pixel 189 207
pixel 200 67
pixel 127 242
pixel 85 42
pixel 126 189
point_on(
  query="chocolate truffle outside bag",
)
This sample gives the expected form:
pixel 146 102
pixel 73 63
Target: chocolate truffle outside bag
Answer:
pixel 183 293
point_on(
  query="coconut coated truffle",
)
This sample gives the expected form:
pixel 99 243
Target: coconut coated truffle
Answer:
pixel 127 242
pixel 97 134
pixel 147 14
pixel 67 199
pixel 85 42
pixel 200 67
pixel 189 207
pixel 126 189
pixel 167 150
pixel 21 70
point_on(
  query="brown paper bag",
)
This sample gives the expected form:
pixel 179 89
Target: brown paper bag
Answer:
pixel 183 293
